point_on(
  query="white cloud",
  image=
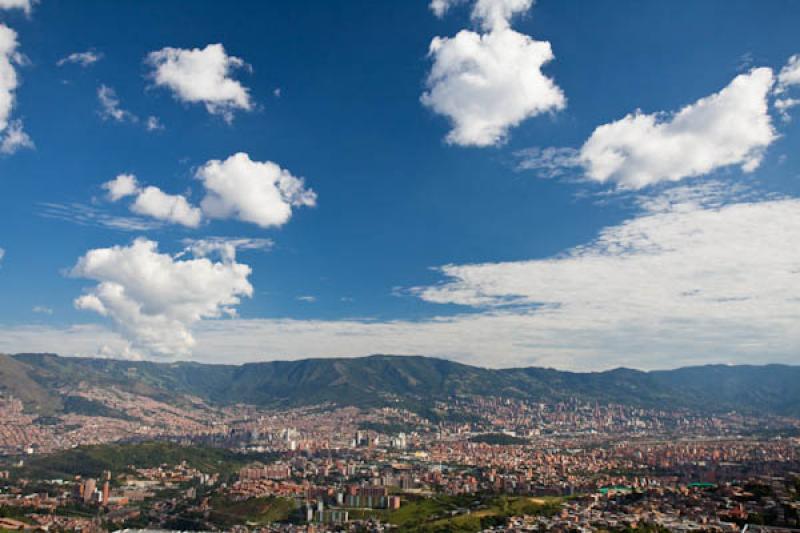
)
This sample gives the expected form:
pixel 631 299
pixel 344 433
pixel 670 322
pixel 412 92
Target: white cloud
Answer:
pixel 2 254
pixel 789 74
pixel 15 138
pixel 731 127
pixel 83 59
pixel 488 83
pixel 25 5
pixel 202 76
pixel 154 299
pixel 121 186
pixel 152 201
pixel 549 162
pixel 788 77
pixel 42 309
pixel 252 191
pixel 440 7
pixel 496 14
pixel 226 246
pixel 153 124
pixel 86 215
pixel 783 105
pixel 489 13
pixel 8 75
pixel 110 106
pixel 307 298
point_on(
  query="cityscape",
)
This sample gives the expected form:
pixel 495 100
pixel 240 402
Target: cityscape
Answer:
pixel 117 460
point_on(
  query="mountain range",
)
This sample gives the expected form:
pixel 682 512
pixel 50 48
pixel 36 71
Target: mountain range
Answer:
pixel 412 381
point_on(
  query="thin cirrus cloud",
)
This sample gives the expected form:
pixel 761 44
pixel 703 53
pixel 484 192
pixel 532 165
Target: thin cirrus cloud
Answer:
pixel 153 299
pixel 729 128
pixel 13 135
pixel 87 215
pixel 487 83
pixel 226 246
pixel 261 193
pixel 201 76
pixel 110 107
pixel 83 59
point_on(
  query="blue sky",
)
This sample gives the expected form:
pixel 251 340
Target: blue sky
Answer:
pixel 647 261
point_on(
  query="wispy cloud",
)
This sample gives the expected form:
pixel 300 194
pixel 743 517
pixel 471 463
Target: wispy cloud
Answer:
pixel 84 59
pixel 110 108
pixel 86 215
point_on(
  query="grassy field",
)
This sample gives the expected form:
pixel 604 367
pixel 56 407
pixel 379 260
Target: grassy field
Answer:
pixel 467 513
pixel 256 511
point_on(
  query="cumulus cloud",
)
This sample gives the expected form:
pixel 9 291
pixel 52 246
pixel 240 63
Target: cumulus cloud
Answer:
pixel 153 202
pixel 489 13
pixel 25 5
pixel 262 193
pixel 83 59
pixel 783 105
pixel 789 74
pixel 110 106
pixel 728 128
pixel 121 186
pixel 258 192
pixel 494 14
pixel 788 77
pixel 488 83
pixel 201 76
pixel 154 299
pixel 440 7
pixel 15 139
pixel 175 208
pixel 13 136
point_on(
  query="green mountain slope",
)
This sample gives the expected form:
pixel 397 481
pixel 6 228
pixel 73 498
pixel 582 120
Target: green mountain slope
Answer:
pixel 411 380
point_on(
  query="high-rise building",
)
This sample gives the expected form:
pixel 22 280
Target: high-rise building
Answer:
pixel 89 486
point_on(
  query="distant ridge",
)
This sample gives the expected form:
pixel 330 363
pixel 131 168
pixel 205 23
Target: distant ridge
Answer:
pixel 411 381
